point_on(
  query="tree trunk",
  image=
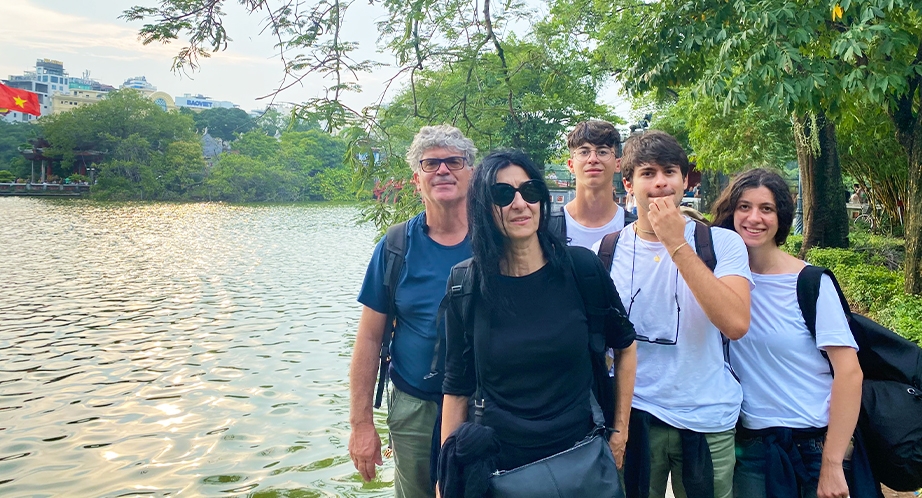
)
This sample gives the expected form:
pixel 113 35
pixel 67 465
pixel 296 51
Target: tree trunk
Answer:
pixel 824 194
pixel 909 133
pixel 712 184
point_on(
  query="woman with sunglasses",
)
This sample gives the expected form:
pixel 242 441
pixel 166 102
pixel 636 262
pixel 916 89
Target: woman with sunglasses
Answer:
pixel 794 410
pixel 534 358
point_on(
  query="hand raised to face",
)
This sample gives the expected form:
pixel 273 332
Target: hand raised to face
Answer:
pixel 667 221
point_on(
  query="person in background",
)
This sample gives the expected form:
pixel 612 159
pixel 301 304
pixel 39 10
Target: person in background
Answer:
pixel 792 404
pixel 594 148
pixel 442 159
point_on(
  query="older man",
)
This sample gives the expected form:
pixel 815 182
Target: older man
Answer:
pixel 436 239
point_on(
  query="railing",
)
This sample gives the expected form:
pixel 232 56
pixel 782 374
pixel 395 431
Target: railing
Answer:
pixel 44 188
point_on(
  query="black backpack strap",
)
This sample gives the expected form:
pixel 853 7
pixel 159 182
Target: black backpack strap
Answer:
pixel 395 250
pixel 596 297
pixel 704 244
pixel 808 291
pixel 557 224
pixel 607 249
pixel 457 300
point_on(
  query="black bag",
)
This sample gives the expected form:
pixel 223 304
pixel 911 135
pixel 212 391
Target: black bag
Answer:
pixel 587 469
pixel 891 395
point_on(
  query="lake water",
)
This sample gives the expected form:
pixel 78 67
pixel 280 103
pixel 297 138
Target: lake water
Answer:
pixel 178 349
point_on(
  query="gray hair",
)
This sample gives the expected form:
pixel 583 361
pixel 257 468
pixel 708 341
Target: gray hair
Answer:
pixel 446 136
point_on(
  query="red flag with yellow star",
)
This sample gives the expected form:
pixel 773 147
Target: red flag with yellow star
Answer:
pixel 15 99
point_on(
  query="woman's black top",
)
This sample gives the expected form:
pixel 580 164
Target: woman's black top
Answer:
pixel 535 365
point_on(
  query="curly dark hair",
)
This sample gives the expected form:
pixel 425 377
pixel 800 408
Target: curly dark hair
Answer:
pixel 488 243
pixel 784 202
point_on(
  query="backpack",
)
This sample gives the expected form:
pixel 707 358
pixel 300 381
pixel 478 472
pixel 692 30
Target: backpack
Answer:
pixel 395 250
pixel 597 292
pixel 890 421
pixel 704 247
pixel 557 223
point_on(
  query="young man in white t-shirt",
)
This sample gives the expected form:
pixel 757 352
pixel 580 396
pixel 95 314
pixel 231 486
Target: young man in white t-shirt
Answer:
pixel 594 149
pixel 684 393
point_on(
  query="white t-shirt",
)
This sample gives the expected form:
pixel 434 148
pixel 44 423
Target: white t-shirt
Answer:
pixel 786 381
pixel 687 385
pixel 583 236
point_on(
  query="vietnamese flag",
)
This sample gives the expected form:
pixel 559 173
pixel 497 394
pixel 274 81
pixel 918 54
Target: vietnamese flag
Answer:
pixel 15 99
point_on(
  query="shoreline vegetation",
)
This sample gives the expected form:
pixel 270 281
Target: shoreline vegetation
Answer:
pixel 135 151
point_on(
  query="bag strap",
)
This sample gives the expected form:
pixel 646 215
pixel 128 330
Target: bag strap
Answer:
pixel 557 224
pixel 607 249
pixel 395 248
pixel 596 298
pixel 808 292
pixel 704 244
pixel 459 291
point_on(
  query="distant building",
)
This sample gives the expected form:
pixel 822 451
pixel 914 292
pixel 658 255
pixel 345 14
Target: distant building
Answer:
pixel 64 102
pixel 201 102
pixel 48 79
pixel 140 83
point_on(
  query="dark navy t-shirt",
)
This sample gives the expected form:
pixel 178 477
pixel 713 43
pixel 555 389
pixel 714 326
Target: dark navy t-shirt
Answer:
pixel 419 291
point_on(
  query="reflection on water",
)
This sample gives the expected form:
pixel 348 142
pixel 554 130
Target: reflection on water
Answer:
pixel 178 349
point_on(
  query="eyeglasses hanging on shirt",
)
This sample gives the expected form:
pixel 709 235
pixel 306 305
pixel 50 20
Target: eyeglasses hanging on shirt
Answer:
pixel 678 309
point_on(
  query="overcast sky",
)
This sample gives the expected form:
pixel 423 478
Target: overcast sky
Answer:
pixel 88 35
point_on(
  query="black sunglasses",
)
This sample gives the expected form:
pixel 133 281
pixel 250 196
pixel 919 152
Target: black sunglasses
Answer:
pixel 503 194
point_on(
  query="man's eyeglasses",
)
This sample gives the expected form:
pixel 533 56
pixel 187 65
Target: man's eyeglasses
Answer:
pixel 678 316
pixel 431 165
pixel 601 154
pixel 532 191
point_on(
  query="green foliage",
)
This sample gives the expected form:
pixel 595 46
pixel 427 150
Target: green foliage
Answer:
pixel 223 123
pixel 238 178
pixel 730 142
pixel 793 244
pixel 465 67
pixel 904 314
pixel 14 136
pixel 125 126
pixel 873 290
pixel 333 184
pixel 872 156
pixel 257 144
pixel 878 249
pixel 7 176
pixel 871 279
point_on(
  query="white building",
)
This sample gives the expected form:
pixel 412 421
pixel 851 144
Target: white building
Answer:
pixel 201 102
pixel 48 79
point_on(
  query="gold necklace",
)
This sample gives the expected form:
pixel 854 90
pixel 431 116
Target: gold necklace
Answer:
pixel 656 257
pixel 648 232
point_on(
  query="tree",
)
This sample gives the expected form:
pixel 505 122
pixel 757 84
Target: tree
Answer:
pixel 14 136
pixel 223 123
pixel 491 69
pixel 724 143
pixel 807 57
pixel 132 135
pixel 730 142
pixel 764 52
pixel 106 125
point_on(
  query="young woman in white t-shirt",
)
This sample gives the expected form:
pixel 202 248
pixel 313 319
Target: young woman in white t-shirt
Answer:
pixel 794 410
